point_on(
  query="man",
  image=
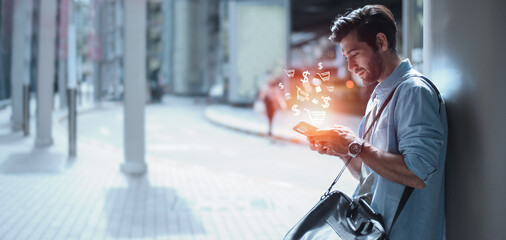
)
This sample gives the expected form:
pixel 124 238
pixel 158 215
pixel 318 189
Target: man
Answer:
pixel 407 144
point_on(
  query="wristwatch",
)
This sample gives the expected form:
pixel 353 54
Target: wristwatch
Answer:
pixel 355 148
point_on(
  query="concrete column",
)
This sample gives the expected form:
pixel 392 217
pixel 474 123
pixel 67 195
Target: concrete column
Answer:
pixel 72 65
pixel 187 36
pixel 465 49
pixel 19 68
pixel 96 8
pixel 65 6
pixel 28 69
pixel 167 38
pixel 135 86
pixel 45 74
pixel 257 44
pixel 407 26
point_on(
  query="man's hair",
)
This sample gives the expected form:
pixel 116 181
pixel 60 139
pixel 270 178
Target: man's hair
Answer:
pixel 368 21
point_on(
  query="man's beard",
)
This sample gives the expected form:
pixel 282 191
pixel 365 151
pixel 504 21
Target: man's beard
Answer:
pixel 376 66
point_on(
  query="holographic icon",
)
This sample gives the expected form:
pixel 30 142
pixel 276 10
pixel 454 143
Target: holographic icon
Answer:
pixel 324 76
pixel 305 74
pixel 290 73
pixel 318 89
pixel 316 117
pixel 314 101
pixel 326 100
pixel 316 81
pixel 330 88
pixel 281 85
pixel 301 95
pixel 297 111
pixel 320 66
pixel 288 96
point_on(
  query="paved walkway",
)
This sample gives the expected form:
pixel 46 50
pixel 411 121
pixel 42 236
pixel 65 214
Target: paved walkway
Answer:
pixel 45 195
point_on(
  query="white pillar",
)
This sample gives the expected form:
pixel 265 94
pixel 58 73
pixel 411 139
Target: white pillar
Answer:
pixel 135 86
pixel 45 74
pixel 19 69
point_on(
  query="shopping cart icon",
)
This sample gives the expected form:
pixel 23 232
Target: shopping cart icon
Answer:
pixel 316 117
pixel 290 73
pixel 324 76
pixel 301 95
pixel 330 88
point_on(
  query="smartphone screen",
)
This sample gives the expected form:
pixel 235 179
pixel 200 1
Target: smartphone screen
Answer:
pixel 304 128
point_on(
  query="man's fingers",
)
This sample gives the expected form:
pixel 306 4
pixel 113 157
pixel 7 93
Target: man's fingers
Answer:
pixel 322 149
pixel 312 145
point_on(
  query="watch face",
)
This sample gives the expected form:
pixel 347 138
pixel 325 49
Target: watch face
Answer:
pixel 355 148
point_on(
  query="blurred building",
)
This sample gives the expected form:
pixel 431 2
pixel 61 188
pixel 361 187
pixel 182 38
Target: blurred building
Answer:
pixel 154 43
pixel 109 33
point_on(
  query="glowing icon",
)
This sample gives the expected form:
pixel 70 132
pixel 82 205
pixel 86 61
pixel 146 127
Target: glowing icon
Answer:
pixel 318 89
pixel 297 111
pixel 330 88
pixel 316 117
pixel 316 81
pixel 301 95
pixel 288 96
pixel 281 85
pixel 314 101
pixel 324 76
pixel 290 73
pixel 326 100
pixel 320 66
pixel 305 73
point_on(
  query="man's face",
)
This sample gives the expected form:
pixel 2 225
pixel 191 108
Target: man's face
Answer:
pixel 362 58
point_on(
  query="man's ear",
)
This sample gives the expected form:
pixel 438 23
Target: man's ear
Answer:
pixel 381 42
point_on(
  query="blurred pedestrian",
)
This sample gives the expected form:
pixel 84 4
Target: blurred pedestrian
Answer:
pixel 272 96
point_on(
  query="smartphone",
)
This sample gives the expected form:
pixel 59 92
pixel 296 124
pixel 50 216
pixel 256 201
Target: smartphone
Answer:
pixel 304 128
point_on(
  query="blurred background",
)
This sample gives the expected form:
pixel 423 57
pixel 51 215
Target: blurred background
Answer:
pixel 148 119
pixel 222 50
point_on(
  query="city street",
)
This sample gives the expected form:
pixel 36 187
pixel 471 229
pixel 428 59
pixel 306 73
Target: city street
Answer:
pixel 178 131
pixel 204 181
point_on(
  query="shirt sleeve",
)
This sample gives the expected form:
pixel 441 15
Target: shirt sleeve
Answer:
pixel 419 129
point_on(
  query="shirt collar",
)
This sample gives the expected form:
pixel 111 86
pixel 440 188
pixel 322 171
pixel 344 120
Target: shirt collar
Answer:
pixel 384 87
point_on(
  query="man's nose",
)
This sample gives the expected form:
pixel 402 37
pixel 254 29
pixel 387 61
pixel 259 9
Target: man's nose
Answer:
pixel 351 65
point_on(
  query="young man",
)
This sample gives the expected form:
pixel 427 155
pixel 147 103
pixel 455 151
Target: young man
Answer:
pixel 407 144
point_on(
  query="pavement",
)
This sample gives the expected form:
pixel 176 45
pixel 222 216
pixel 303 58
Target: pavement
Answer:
pixel 254 122
pixel 44 194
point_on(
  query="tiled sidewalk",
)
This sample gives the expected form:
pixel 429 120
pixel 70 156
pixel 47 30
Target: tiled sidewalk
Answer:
pixel 90 198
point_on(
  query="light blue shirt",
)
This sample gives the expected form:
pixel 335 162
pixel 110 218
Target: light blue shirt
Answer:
pixel 412 124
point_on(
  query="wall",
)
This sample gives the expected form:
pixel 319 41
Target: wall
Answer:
pixel 465 49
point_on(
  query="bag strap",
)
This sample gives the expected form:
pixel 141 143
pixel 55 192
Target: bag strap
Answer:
pixel 368 129
pixel 404 199
pixel 439 97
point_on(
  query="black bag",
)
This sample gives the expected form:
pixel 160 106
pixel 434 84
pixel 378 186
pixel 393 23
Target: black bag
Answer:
pixel 336 216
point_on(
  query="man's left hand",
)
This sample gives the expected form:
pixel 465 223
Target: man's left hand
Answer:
pixel 333 141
